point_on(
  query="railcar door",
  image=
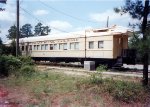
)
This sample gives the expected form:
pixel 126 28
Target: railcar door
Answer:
pixel 118 46
pixel 120 42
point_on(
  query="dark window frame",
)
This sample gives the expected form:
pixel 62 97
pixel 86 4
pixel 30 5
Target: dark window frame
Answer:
pixel 90 47
pixel 100 47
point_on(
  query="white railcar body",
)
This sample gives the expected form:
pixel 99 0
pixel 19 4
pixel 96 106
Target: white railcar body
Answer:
pixel 90 44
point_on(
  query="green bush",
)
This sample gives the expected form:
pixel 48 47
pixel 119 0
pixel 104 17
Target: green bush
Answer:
pixel 26 60
pixel 101 68
pixel 120 90
pixel 16 65
pixel 9 64
pixel 13 61
pixel 127 91
pixel 3 70
pixel 27 70
pixel 123 90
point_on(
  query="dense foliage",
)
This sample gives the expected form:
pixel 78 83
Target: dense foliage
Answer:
pixel 16 65
pixel 8 50
pixel 41 30
pixel 137 42
pixel 26 31
pixel 135 8
pixel 12 32
pixel 140 10
pixel 101 68
pixel 121 90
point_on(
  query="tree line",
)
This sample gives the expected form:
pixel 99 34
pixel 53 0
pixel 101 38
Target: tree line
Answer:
pixel 26 31
pixel 7 50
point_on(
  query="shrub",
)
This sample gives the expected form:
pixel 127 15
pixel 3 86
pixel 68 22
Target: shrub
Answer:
pixel 127 91
pixel 12 65
pixel 3 70
pixel 13 61
pixel 27 71
pixel 101 68
pixel 26 60
pixel 120 90
pixel 9 64
pixel 123 90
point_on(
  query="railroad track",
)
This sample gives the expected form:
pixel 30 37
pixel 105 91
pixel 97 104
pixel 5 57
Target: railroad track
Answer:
pixel 82 72
pixel 61 64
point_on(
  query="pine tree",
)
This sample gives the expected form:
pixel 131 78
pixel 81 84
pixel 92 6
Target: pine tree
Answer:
pixel 137 10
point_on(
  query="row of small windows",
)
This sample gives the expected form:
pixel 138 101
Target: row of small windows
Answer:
pixel 61 46
pixel 100 44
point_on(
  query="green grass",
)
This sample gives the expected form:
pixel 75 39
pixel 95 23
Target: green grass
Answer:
pixel 120 90
pixel 46 87
pixel 52 84
pixel 44 84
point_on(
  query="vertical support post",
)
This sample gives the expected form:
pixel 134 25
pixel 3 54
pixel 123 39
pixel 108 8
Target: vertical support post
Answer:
pixel 18 34
pixel 85 45
pixel 107 22
pixel 146 56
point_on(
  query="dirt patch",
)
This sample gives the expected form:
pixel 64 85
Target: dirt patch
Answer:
pixel 5 100
pixel 13 97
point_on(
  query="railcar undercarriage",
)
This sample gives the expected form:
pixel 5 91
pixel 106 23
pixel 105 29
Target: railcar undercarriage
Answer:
pixel 128 57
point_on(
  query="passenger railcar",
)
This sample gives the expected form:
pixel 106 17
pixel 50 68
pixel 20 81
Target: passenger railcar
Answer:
pixel 104 46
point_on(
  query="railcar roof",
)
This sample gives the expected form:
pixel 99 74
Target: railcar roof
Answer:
pixel 89 32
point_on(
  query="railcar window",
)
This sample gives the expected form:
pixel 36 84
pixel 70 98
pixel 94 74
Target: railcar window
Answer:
pixel 38 47
pixel 42 47
pixel 91 45
pixel 22 48
pixel 46 46
pixel 74 46
pixel 26 48
pixel 60 46
pixel 55 47
pixel 51 46
pixel 30 47
pixel 100 44
pixel 63 46
pixel 71 46
pixel 77 45
pixel 35 47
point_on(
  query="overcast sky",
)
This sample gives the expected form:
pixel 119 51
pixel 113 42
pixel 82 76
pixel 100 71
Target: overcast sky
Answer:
pixel 64 15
